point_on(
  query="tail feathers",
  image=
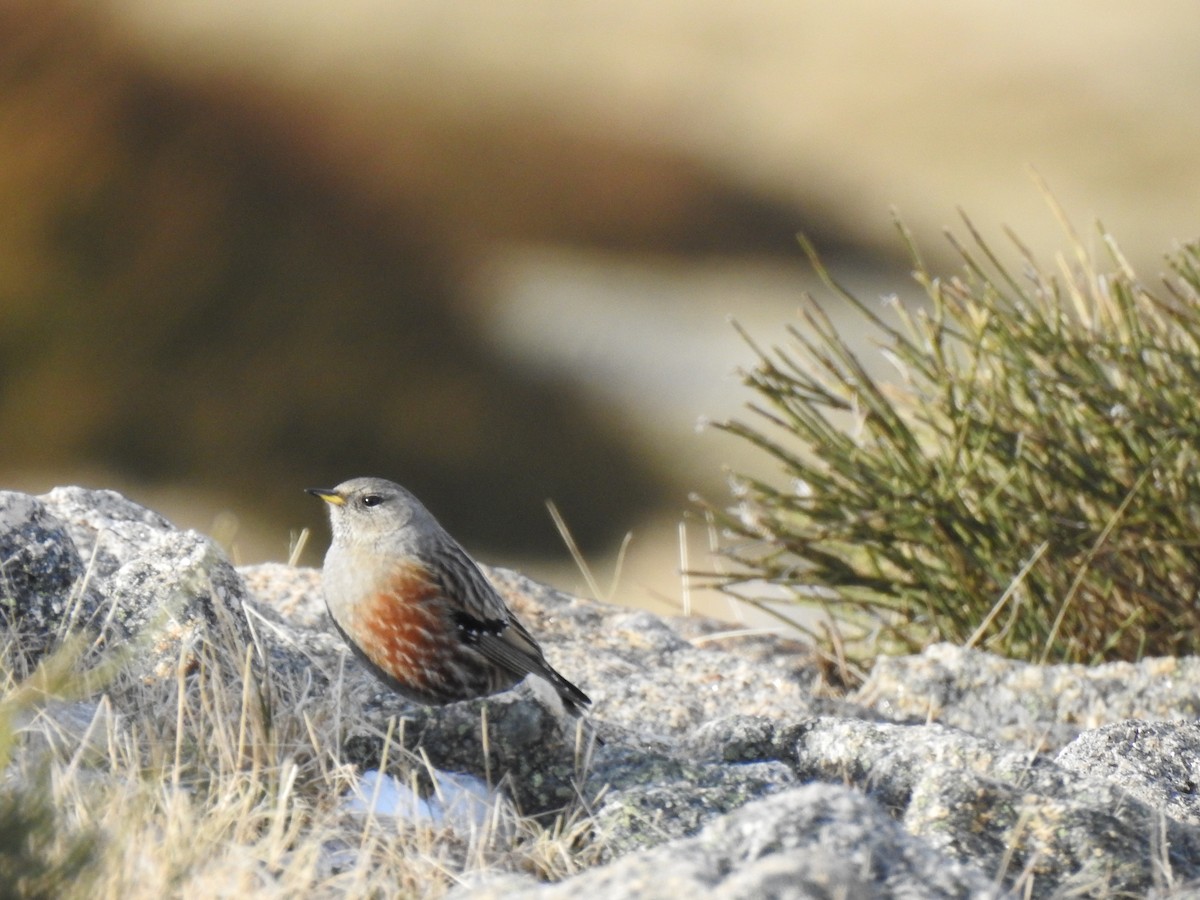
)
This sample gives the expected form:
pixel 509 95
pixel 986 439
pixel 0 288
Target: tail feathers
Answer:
pixel 574 700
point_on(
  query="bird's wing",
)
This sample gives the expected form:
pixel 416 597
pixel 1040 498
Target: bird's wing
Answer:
pixel 487 624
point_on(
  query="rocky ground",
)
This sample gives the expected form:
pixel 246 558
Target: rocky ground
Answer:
pixel 722 764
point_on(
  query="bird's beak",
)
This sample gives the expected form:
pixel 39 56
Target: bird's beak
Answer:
pixel 329 495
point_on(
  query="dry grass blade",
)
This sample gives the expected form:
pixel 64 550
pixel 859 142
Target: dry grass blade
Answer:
pixel 573 548
pixel 197 786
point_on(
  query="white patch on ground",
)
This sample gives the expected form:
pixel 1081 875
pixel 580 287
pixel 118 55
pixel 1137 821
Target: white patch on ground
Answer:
pixel 460 802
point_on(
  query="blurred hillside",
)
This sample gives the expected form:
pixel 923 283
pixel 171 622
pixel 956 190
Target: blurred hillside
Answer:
pixel 828 111
pixel 193 295
pixel 489 249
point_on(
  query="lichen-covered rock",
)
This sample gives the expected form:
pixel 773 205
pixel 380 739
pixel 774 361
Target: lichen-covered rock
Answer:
pixel 108 529
pixel 696 733
pixel 707 764
pixel 1156 762
pixel 647 674
pixel 41 574
pixel 518 739
pixel 181 592
pixel 815 841
pixel 1019 703
pixel 293 593
pixel 1002 809
pixel 676 798
pixel 83 559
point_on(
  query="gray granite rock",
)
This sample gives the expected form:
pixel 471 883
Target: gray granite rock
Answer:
pixel 41 574
pixel 1015 814
pixel 1027 705
pixel 815 841
pixel 93 560
pixel 715 765
pixel 675 798
pixel 641 672
pixel 1155 762
pixel 108 529
pixel 648 676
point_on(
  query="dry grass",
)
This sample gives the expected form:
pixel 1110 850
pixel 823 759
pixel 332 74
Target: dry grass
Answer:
pixel 224 781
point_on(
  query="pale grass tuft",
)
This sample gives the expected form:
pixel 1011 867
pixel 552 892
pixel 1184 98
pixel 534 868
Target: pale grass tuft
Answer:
pixel 225 780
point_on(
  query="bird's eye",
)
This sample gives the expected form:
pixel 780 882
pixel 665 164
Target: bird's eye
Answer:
pixel 372 500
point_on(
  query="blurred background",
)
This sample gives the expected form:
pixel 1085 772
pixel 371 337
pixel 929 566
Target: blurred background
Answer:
pixel 490 250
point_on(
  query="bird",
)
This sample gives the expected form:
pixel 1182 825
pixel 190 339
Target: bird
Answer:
pixel 416 608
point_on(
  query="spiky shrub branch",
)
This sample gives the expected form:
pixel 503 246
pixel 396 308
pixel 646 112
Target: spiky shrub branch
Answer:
pixel 1028 483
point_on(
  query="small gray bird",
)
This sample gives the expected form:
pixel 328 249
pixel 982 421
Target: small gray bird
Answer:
pixel 416 608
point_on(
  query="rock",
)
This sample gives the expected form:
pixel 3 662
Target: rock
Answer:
pixel 648 762
pixel 672 798
pixel 1028 705
pixel 647 676
pixel 815 841
pixel 181 593
pixel 107 529
pixel 1155 762
pixel 701 767
pixel 1007 811
pixel 527 746
pixel 293 593
pixel 40 569
pixel 93 560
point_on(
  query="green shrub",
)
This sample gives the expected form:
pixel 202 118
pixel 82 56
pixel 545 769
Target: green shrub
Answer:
pixel 1028 482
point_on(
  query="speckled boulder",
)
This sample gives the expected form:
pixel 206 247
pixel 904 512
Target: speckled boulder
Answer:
pixel 815 841
pixel 41 572
pixel 82 559
pixel 711 764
